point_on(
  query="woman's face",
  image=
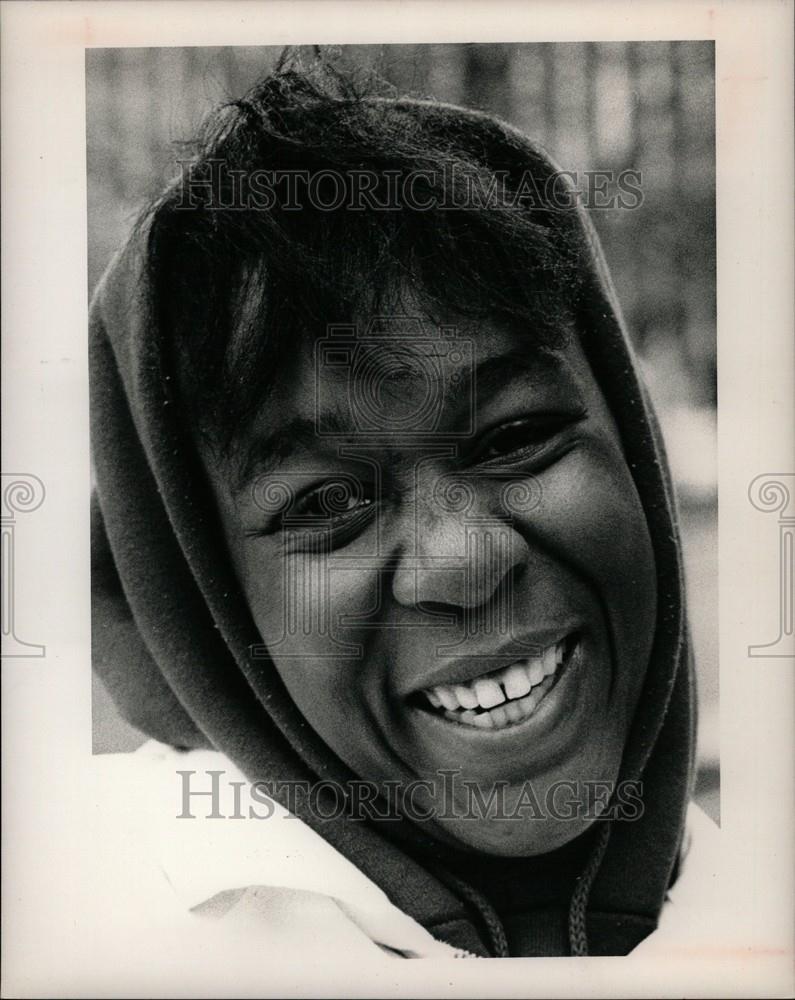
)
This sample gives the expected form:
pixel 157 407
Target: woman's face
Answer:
pixel 444 551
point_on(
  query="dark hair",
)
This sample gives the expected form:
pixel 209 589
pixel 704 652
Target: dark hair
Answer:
pixel 238 272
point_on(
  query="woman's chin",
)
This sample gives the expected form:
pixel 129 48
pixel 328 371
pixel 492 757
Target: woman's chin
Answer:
pixel 514 837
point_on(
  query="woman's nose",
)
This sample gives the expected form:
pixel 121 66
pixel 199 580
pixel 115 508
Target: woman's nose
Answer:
pixel 457 560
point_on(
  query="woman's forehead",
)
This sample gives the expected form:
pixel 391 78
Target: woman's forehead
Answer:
pixel 395 360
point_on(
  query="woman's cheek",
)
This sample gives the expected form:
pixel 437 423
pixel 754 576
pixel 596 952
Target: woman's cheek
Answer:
pixel 590 518
pixel 299 603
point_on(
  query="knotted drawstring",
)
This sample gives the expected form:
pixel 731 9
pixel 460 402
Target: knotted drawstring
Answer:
pixel 578 933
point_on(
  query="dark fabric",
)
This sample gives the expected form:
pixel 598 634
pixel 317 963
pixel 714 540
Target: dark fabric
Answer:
pixel 171 633
pixel 531 896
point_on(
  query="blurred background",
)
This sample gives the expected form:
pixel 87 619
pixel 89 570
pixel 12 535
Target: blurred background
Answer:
pixel 645 106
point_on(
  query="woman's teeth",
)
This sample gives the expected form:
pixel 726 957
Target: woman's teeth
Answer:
pixel 502 698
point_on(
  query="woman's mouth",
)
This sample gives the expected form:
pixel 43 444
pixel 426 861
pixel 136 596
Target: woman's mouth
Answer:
pixel 504 697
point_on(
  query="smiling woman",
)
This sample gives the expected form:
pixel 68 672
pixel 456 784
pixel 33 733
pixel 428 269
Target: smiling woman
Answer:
pixel 576 570
pixel 381 501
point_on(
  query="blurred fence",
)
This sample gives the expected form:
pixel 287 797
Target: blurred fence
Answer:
pixel 644 106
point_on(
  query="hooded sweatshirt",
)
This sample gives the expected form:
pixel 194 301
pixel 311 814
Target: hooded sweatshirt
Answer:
pixel 172 633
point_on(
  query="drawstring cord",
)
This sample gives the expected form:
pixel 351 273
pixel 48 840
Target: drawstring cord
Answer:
pixel 499 942
pixel 496 932
pixel 578 934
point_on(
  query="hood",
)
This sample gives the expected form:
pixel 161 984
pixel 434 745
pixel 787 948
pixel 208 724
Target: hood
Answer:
pixel 172 632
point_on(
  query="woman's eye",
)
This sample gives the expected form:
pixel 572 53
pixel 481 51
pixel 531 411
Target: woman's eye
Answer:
pixel 521 436
pixel 337 509
pixel 328 503
pixel 334 512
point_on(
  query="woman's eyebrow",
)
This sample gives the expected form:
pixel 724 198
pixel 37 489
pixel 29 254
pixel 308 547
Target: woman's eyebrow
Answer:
pixel 262 453
pixel 492 374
